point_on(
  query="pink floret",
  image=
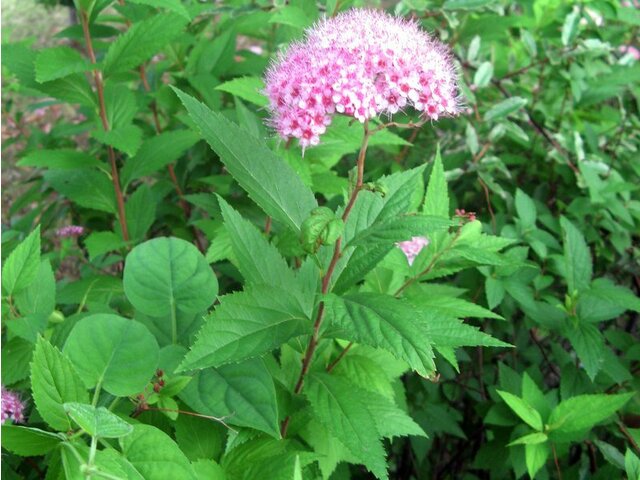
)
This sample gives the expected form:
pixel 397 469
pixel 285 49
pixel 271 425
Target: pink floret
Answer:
pixel 361 63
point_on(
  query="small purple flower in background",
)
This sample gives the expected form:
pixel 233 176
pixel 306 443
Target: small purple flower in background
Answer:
pixel 412 248
pixel 361 63
pixel 12 407
pixel 70 231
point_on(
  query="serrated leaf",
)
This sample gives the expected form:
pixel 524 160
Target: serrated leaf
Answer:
pixel 28 442
pixel 88 188
pixel 246 88
pixel 399 228
pixel 259 261
pixel 244 393
pixel 445 331
pixel 248 324
pixel 22 265
pixel 155 455
pixel 99 243
pixel 536 455
pixel 467 4
pixel 119 354
pixel 390 420
pixel 97 422
pixel 384 322
pixel 126 138
pixel 142 41
pixel 577 258
pixel 452 306
pixel 199 437
pixel 530 439
pixel 54 381
pixel 58 62
pixel 62 159
pixel 345 414
pixel 157 152
pixel 171 5
pixel 270 181
pixel 526 209
pixel 483 75
pixel 573 418
pixel 140 210
pixel 39 297
pixel 589 344
pixel 436 201
pixel 505 108
pixel 166 275
pixel 521 407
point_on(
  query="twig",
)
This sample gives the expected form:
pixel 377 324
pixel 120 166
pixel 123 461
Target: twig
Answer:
pixel 628 436
pixel 555 459
pixel 97 76
pixel 551 366
pixel 333 364
pixel 326 280
pixel 489 207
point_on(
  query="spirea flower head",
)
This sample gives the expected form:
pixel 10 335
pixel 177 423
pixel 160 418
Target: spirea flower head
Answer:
pixel 12 407
pixel 361 63
pixel 70 231
pixel 412 248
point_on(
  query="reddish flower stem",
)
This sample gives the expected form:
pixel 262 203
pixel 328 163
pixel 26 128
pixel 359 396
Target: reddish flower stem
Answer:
pixel 97 76
pixel 326 280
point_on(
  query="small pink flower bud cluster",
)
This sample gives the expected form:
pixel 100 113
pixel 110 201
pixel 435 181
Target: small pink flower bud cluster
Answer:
pixel 361 63
pixel 70 231
pixel 12 407
pixel 462 213
pixel 412 248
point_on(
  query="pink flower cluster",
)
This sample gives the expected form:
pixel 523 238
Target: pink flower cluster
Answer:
pixel 70 231
pixel 12 407
pixel 412 248
pixel 361 63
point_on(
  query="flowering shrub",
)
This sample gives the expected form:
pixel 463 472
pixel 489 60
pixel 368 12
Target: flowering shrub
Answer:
pixel 319 240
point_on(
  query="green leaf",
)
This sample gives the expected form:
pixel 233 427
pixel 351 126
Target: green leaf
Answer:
pixel 97 422
pixel 589 344
pixel 467 4
pixel 526 209
pixel 259 261
pixel 118 354
pixel 345 414
pixel 246 325
pixel 483 75
pixel 384 322
pixel 505 108
pixel 99 243
pixel 58 62
pixel 536 455
pixel 54 381
pixel 28 442
pixel 577 258
pixel 126 138
pixel 451 306
pixel 530 439
pixel 399 228
pixel 141 212
pixel 631 464
pixel 88 188
pixel 525 411
pixel 61 159
pixel 292 16
pixel 166 275
pixel 39 298
pixel 573 418
pixel 390 420
pixel 199 437
pixel 73 88
pixel 142 41
pixel 268 180
pixel 570 26
pixel 436 201
pixel 155 455
pixel 246 88
pixel 21 267
pixel 244 393
pixel 157 152
pixel 446 331
pixel 171 5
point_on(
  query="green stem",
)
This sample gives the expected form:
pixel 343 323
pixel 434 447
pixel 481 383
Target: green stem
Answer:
pixel 96 393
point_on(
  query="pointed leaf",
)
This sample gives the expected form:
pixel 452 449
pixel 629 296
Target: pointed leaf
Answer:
pixel 436 202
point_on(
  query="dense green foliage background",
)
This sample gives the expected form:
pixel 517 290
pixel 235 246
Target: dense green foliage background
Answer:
pixel 154 141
